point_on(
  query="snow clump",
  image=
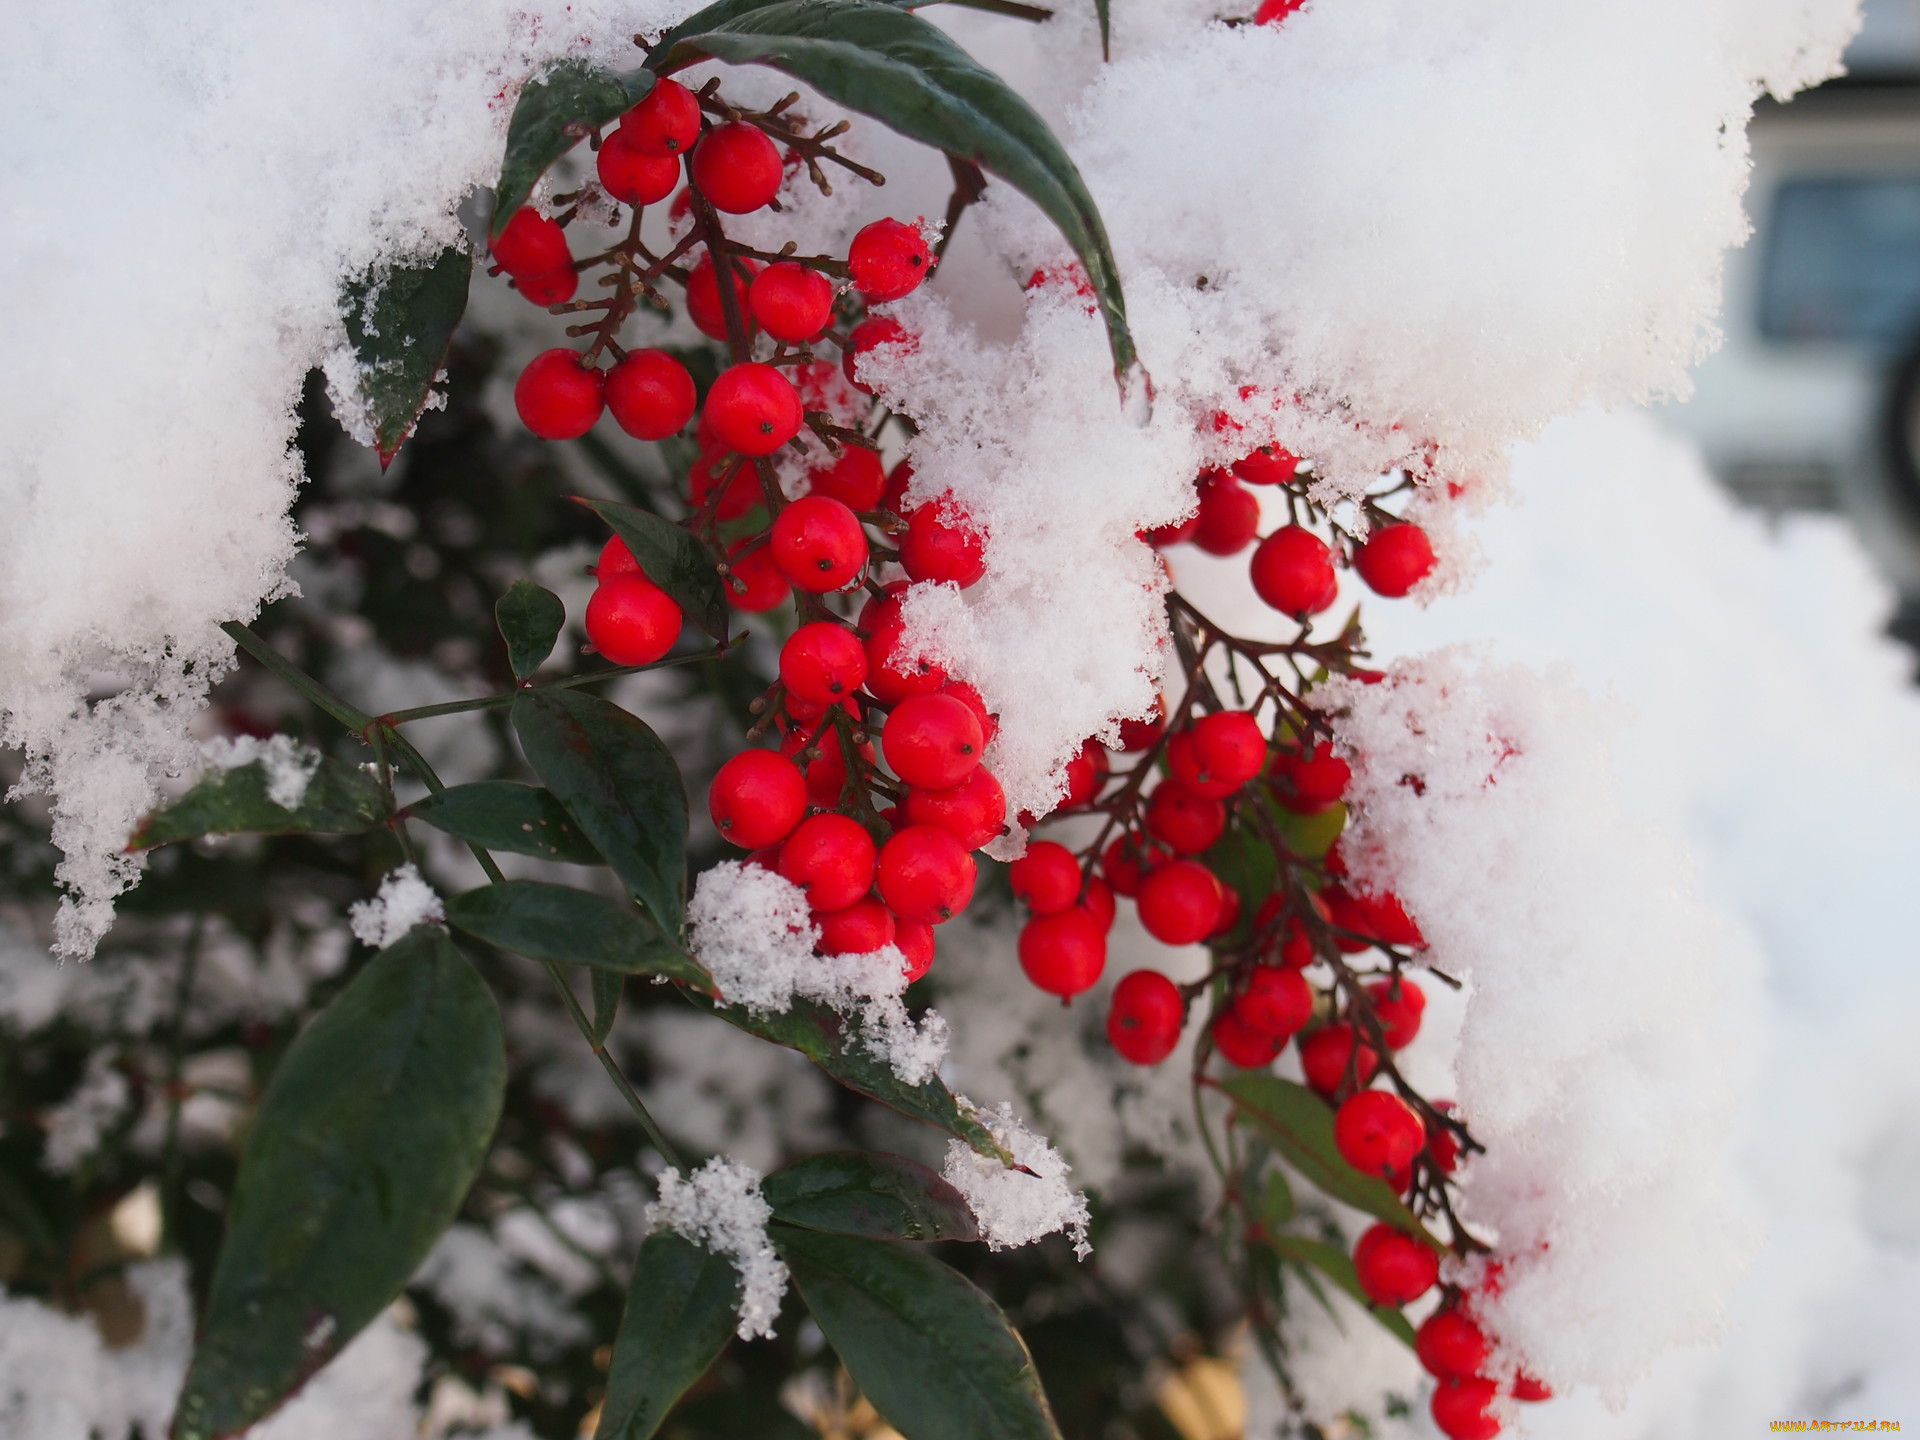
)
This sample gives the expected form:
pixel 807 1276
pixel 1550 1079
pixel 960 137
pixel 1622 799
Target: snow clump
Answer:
pixel 1017 1206
pixel 404 901
pixel 288 765
pixel 720 1207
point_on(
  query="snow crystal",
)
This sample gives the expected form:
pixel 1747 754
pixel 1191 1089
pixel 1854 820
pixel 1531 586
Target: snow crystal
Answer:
pixel 720 1206
pixel 752 930
pixel 77 1125
pixel 404 901
pixel 497 1302
pixel 1017 1206
pixel 289 766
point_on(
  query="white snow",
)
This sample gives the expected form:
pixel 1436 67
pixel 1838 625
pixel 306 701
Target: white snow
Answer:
pixel 404 900
pixel 720 1207
pixel 1017 1206
pixel 77 1125
pixel 288 765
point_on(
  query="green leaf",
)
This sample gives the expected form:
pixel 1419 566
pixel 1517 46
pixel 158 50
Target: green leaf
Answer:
pixel 1310 836
pixel 400 321
pixel 529 618
pixel 1246 864
pixel 607 986
pixel 682 1306
pixel 555 113
pixel 884 61
pixel 1299 1126
pixel 925 1344
pixel 1104 10
pixel 341 799
pixel 22 1217
pixel 575 927
pixel 673 558
pixel 1333 1262
pixel 504 815
pixel 621 786
pixel 369 1135
pixel 822 1036
pixel 1276 1201
pixel 858 1192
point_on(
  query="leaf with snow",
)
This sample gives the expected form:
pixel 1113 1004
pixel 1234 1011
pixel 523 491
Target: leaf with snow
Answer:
pixel 247 788
pixel 403 901
pixel 1018 1203
pixel 720 1207
pixel 399 320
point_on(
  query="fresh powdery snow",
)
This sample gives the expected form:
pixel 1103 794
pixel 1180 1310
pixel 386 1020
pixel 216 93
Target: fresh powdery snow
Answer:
pixel 403 901
pixel 1016 1206
pixel 751 929
pixel 288 765
pixel 720 1206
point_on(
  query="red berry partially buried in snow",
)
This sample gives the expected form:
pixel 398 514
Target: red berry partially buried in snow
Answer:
pixel 888 260
pixel 631 620
pixel 666 122
pixel 856 929
pixel 932 741
pixel 753 408
pixel 1462 1409
pixel 1063 954
pixel 757 798
pixel 1145 1017
pixel 1293 572
pixel 871 332
pixel 941 545
pixel 737 168
pixel 1393 1267
pixel 558 397
pixel 915 943
pixel 1229 516
pixel 818 544
pixel 1395 559
pixel 650 395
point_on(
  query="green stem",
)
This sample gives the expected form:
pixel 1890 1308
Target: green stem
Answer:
pixel 273 660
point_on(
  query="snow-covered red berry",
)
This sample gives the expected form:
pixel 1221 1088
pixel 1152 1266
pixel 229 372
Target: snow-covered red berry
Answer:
pixel 1393 1267
pixel 1269 465
pixel 757 798
pixel 830 857
pixel 894 672
pixel 666 122
pixel 1063 954
pixel 1145 1017
pixel 1292 571
pixel 631 620
pixel 1373 916
pixel 873 331
pixel 932 741
pixel 1047 877
pixel 818 544
pixel 558 397
pixel 925 874
pixel 650 395
pixel 941 544
pixel 1378 1133
pixel 1229 516
pixel 1179 902
pixel 888 260
pixel 857 929
pixel 791 302
pixel 1395 559
pixel 823 662
pixel 974 811
pixel 737 168
pixel 753 409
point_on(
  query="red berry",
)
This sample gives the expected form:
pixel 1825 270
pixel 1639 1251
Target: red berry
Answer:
pixel 1276 1002
pixel 1378 916
pixel 876 330
pixel 1183 759
pixel 1378 1133
pixel 818 544
pixel 974 811
pixel 1229 912
pixel 1230 745
pixel 753 409
pixel 831 858
pixel 615 559
pixel 1097 901
pixel 703 296
pixel 757 798
pixel 892 674
pixel 898 479
pixel 735 479
pixel 926 874
pixel 1063 954
pixel 970 697
pixel 754 582
pixel 1179 902
pixel 632 176
pixel 941 544
pixel 1186 822
pixel 791 302
pixel 631 620
pixel 737 168
pixel 1525 1387
pixel 1085 774
pixel 1395 559
pixel 856 479
pixel 1310 780
pixel 650 395
pixel 1243 1047
pixel 1393 1267
pixel 1145 1017
pixel 1450 1345
pixel 1325 1054
pixel 1293 572
pixel 823 662
pixel 932 741
pixel 1126 861
pixel 557 396
pixel 857 929
pixel 1161 536
pixel 915 943
pixel 1229 517
pixel 1269 465
pixel 1398 1003
pixel 666 122
pixel 551 287
pixel 888 260
pixel 1138 735
pixel 1441 1144
pixel 532 244
pixel 1463 1409
pixel 1047 877
pixel 1296 945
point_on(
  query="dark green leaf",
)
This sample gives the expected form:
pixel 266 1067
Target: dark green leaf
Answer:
pixel 1334 1263
pixel 1104 9
pixel 620 785
pixel 681 1307
pixel 400 321
pixel 1246 864
pixel 822 1036
pixel 607 985
pixel 341 799
pixel 674 559
pixel 1276 1201
pixel 1299 1126
pixel 575 927
pixel 503 815
pixel 924 1344
pixel 529 618
pixel 884 61
pixel 22 1216
pixel 553 114
pixel 365 1144
pixel 858 1192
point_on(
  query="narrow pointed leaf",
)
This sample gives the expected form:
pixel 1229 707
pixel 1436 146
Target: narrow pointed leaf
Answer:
pixel 1334 1263
pixel 682 1307
pixel 827 1040
pixel 859 1192
pixel 674 559
pixel 926 1345
pixel 340 799
pixel 1298 1124
pixel 884 61
pixel 400 321
pixel 620 785
pixel 369 1135
pixel 607 986
pixel 529 618
pixel 574 927
pixel 503 815
pixel 555 113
